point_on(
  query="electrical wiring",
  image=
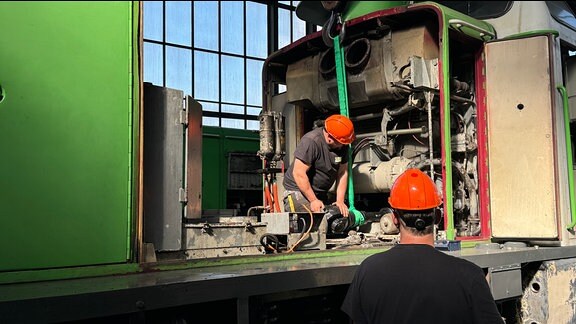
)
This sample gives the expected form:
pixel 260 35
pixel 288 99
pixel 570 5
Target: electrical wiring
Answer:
pixel 306 234
pixel 366 142
pixel 270 242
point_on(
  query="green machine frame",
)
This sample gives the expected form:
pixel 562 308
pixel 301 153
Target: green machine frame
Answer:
pixel 69 74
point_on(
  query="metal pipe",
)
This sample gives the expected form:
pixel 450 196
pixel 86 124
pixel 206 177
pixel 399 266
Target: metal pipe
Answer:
pixel 364 135
pixel 279 138
pixel 404 109
pixel 408 131
pixel 430 147
pixel 367 116
pixel 267 81
pixel 421 164
pixel 460 99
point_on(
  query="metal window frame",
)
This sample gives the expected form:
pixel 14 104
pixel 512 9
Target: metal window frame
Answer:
pixel 272 39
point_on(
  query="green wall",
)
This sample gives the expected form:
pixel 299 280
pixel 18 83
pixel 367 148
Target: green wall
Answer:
pixel 66 136
pixel 216 144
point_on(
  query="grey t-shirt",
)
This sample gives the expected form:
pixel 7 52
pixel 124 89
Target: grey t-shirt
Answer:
pixel 324 163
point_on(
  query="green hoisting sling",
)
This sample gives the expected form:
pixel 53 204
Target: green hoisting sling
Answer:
pixel 357 218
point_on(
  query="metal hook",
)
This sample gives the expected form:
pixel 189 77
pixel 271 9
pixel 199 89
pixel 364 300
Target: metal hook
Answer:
pixel 330 26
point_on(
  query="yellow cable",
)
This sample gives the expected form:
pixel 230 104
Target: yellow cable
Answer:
pixel 291 203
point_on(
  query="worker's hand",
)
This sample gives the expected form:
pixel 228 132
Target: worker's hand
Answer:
pixel 317 206
pixel 343 208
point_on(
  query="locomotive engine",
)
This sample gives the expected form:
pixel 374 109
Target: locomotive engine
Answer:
pixel 392 68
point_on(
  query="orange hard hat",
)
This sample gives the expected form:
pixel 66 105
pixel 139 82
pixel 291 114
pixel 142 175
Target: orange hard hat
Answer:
pixel 340 128
pixel 414 190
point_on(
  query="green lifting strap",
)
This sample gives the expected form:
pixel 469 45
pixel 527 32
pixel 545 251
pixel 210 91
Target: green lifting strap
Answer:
pixel 358 218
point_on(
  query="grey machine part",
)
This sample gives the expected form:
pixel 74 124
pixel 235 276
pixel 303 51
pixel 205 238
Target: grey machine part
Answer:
pixel 302 231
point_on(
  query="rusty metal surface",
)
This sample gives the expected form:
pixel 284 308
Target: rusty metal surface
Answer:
pixel 194 159
pixel 550 294
pixel 210 240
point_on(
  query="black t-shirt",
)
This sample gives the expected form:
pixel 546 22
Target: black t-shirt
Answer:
pixel 324 163
pixel 414 283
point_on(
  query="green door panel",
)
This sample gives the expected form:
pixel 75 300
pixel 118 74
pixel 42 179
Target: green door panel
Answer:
pixel 217 143
pixel 65 133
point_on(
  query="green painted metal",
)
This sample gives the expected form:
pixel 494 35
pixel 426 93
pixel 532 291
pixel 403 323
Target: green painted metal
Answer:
pixel 445 131
pixel 533 34
pixel 12 277
pixel 216 144
pixel 356 9
pixel 474 28
pixel 445 59
pixel 452 19
pixel 470 26
pixel 135 81
pixel 570 166
pixel 250 260
pixel 130 268
pixel 448 15
pixel 472 244
pixel 66 133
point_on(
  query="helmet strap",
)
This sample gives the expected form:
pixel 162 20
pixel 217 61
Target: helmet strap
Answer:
pixel 419 222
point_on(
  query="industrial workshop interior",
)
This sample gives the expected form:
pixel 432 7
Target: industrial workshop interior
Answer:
pixel 147 147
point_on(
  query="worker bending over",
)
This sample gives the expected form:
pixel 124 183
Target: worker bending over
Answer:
pixel 320 159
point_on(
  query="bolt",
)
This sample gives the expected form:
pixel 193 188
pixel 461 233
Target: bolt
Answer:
pixel 140 304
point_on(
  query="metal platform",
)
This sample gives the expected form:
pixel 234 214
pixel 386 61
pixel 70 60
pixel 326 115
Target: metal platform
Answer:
pixel 79 299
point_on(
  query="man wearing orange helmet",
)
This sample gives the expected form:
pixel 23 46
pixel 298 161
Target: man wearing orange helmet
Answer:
pixel 413 282
pixel 320 159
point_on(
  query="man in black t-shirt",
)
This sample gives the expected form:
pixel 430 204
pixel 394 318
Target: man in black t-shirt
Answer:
pixel 320 159
pixel 413 282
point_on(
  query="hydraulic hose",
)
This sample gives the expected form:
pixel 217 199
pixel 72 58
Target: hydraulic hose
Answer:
pixel 355 216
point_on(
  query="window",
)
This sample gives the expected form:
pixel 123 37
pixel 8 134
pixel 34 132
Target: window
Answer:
pixel 562 12
pixel 214 52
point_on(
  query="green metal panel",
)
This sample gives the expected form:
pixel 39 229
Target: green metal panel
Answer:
pixel 213 193
pixel 66 134
pixel 356 9
pixel 313 11
pixel 216 144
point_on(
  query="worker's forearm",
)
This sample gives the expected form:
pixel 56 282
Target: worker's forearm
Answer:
pixel 341 189
pixel 305 187
pixel 342 184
